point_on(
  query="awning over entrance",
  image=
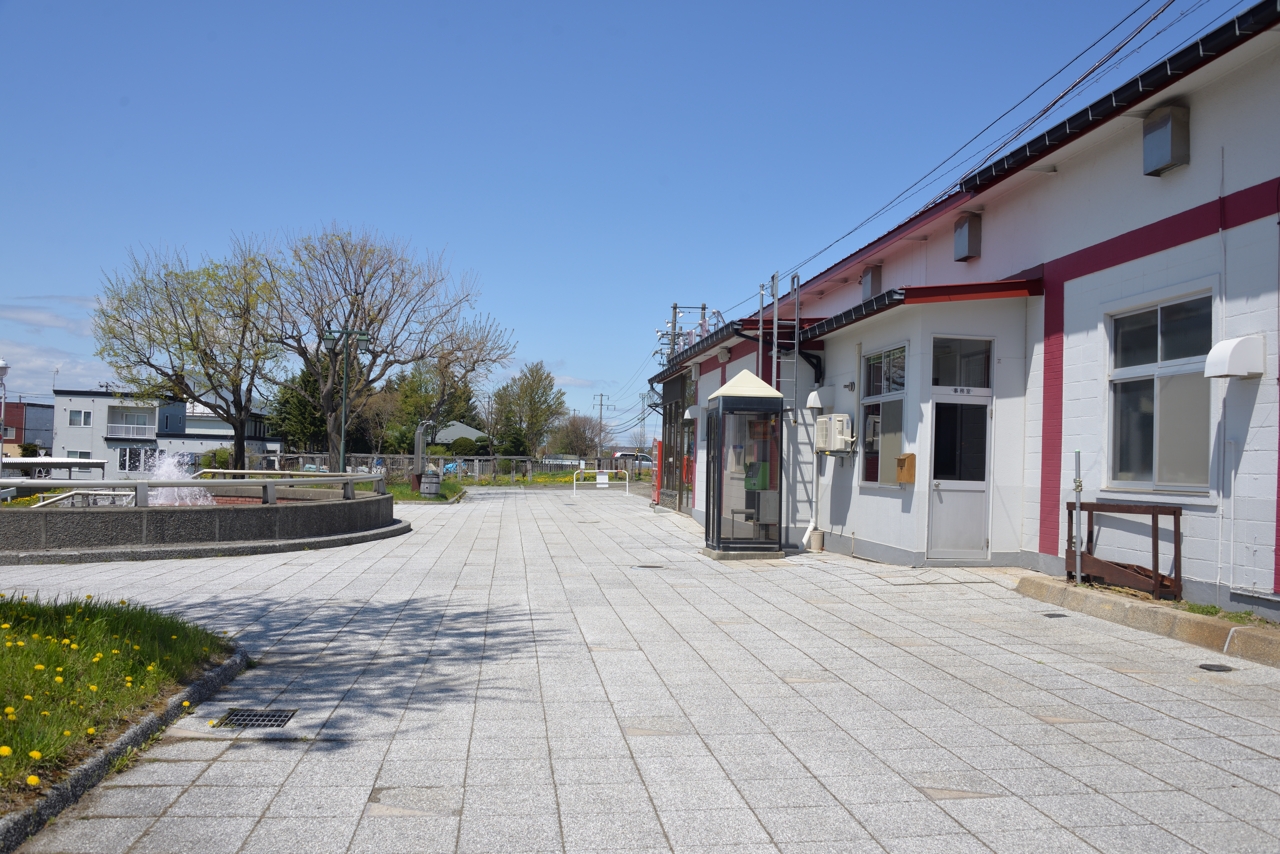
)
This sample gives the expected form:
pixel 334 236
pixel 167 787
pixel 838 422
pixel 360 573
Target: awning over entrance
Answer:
pixel 745 384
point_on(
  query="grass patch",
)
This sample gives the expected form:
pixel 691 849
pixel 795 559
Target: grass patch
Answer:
pixel 72 672
pixel 402 491
pixel 1240 618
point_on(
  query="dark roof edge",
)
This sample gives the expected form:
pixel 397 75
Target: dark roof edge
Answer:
pixel 724 333
pixel 861 311
pixel 1158 77
pixel 1161 75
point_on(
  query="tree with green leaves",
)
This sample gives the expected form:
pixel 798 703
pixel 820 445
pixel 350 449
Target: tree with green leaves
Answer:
pixel 526 407
pixel 295 419
pixel 199 334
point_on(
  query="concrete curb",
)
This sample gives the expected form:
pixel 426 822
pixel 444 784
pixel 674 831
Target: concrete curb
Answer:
pixel 1246 642
pixel 194 550
pixel 16 828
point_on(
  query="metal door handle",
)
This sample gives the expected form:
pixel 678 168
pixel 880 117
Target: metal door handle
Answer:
pixel 937 484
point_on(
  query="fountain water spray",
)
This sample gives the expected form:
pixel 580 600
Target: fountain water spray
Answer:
pixel 169 468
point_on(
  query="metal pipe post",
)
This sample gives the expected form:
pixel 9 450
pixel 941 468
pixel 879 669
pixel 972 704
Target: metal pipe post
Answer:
pixel 1079 538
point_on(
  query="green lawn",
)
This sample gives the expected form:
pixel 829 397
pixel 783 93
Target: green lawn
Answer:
pixel 73 671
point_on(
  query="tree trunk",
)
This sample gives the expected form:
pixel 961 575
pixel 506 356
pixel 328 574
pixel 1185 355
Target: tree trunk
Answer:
pixel 333 426
pixel 238 461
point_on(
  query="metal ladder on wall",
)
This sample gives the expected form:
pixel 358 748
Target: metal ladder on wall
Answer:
pixel 785 351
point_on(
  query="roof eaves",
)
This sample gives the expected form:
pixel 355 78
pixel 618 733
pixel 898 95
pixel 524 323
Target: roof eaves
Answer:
pixel 677 363
pixel 1159 76
pixel 875 305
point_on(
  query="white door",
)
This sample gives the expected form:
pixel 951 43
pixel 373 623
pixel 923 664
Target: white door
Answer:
pixel 960 470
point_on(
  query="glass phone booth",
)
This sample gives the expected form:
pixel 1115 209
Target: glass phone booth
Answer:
pixel 744 466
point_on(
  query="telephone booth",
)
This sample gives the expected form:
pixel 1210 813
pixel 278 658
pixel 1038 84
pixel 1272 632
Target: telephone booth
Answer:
pixel 744 466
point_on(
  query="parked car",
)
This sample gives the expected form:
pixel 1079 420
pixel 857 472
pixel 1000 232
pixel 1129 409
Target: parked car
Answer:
pixel 642 461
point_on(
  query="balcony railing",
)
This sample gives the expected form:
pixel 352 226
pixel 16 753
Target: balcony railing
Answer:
pixel 130 431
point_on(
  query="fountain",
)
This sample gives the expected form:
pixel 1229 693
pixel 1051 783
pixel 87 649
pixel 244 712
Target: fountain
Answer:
pixel 169 468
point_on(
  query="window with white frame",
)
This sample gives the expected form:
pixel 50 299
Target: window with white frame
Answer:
pixel 137 459
pixel 10 432
pixel 80 418
pixel 1160 430
pixel 884 388
pixel 80 455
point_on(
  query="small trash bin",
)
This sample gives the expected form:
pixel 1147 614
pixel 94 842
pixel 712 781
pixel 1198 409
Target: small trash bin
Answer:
pixel 431 484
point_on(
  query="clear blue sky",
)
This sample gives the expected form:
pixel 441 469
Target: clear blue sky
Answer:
pixel 591 163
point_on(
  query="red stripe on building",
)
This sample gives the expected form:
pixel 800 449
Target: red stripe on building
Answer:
pixel 1243 206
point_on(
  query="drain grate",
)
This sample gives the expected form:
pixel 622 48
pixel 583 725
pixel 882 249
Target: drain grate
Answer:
pixel 1055 616
pixel 1217 668
pixel 256 718
pixel 648 566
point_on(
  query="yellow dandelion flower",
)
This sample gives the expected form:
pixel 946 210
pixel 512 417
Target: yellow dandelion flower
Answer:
pixel 6 750
pixel 137 647
pixel 21 643
pixel 93 687
pixel 26 696
pixel 124 602
pixel 66 641
pixel 35 754
pixel 75 646
pixel 186 703
pixel 115 652
pixel 171 637
pixel 44 714
pixel 33 780
pixel 91 730
pixel 39 667
pixel 8 710
pixel 151 667
pixel 88 596
pixel 57 679
pixel 12 717
pixel 6 625
pixel 66 732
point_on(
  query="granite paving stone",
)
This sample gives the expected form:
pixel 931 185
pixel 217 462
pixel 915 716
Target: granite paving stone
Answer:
pixel 506 678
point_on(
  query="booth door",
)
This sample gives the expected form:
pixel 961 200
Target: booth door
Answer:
pixel 713 479
pixel 958 490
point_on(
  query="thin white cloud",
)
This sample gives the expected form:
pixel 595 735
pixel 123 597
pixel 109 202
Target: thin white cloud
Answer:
pixel 574 382
pixel 31 368
pixel 40 318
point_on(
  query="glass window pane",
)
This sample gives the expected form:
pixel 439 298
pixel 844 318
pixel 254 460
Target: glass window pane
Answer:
pixel 124 460
pixel 88 418
pixel 1184 429
pixel 1134 339
pixel 1186 329
pixel 1133 439
pixel 960 362
pixel 895 378
pixel 960 441
pixel 74 418
pixel 871 442
pixel 890 440
pixel 875 376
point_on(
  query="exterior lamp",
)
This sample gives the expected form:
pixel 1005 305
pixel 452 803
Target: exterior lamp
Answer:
pixel 4 393
pixel 330 339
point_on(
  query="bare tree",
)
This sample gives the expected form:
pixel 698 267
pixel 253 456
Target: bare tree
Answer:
pixel 411 309
pixel 196 334
pixel 579 435
pixel 639 438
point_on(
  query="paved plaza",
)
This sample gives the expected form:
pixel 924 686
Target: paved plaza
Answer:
pixel 538 671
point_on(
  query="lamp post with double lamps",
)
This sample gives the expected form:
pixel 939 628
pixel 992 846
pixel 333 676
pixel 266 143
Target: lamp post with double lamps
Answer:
pixel 4 394
pixel 333 339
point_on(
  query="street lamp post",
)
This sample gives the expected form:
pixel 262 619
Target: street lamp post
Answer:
pixel 333 339
pixel 4 393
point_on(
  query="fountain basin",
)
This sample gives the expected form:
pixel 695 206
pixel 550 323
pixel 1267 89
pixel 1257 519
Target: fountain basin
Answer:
pixel 302 518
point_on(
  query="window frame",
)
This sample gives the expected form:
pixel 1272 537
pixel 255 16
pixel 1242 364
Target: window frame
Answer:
pixel 1154 371
pixel 866 400
pixel 86 417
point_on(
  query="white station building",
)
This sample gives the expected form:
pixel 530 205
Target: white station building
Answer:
pixel 1109 287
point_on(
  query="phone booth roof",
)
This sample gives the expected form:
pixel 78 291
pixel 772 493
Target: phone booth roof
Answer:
pixel 747 392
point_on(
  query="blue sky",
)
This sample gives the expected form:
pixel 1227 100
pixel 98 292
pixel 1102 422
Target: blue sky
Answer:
pixel 590 163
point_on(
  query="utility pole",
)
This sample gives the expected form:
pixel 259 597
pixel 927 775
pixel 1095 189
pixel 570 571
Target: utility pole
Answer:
pixel 600 399
pixel 675 318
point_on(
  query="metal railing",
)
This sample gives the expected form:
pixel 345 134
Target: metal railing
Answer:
pixel 130 431
pixel 266 480
pixel 601 483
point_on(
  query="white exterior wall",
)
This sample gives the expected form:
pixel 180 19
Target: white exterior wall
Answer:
pixel 891 522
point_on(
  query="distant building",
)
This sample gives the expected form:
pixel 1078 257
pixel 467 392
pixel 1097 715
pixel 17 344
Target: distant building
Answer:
pixel 458 430
pixel 27 423
pixel 131 432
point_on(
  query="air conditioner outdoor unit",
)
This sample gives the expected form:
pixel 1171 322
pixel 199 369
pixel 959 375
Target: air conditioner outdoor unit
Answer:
pixel 834 434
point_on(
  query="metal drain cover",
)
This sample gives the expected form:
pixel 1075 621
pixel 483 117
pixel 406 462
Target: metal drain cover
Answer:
pixel 1217 668
pixel 648 566
pixel 256 718
pixel 1055 616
